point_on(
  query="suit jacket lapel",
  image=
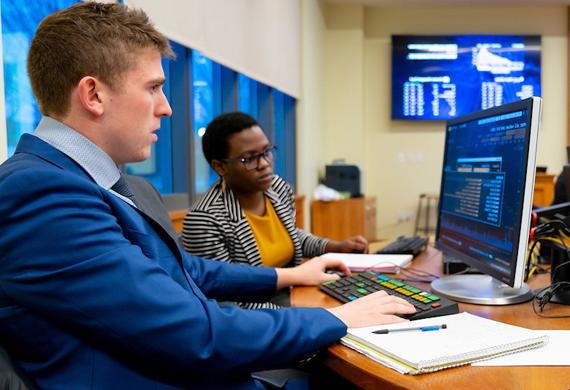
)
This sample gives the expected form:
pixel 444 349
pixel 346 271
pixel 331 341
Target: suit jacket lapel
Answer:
pixel 33 145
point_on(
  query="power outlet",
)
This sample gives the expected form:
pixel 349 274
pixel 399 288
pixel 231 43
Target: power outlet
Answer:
pixel 410 157
pixel 406 216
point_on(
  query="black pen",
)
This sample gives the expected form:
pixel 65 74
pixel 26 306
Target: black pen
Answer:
pixel 420 328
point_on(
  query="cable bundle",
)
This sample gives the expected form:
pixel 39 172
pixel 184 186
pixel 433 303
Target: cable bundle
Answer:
pixel 551 234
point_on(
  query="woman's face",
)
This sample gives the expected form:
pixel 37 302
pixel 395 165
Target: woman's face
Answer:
pixel 258 174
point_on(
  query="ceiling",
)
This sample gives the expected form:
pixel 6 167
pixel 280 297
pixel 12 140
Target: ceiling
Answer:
pixel 466 3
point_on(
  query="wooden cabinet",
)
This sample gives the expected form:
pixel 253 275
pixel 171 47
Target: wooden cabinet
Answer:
pixel 543 189
pixel 340 219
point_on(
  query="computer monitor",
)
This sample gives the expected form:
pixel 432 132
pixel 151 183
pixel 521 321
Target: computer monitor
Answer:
pixel 560 211
pixel 486 202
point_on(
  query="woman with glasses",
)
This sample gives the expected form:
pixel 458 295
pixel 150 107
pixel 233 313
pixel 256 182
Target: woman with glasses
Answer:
pixel 248 216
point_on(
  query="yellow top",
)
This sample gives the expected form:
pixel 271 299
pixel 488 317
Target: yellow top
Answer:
pixel 273 241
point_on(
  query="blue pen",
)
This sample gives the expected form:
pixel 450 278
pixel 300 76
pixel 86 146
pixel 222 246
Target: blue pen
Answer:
pixel 420 328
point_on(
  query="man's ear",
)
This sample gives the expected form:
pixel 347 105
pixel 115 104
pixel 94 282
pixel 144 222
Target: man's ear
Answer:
pixel 89 90
pixel 219 167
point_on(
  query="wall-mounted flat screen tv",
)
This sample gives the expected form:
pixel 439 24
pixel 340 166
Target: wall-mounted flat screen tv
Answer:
pixel 440 77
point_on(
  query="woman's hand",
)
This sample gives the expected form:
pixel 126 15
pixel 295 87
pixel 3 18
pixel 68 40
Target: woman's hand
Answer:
pixel 356 244
pixel 310 273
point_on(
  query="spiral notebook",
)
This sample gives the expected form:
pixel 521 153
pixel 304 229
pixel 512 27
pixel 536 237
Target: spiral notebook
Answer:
pixel 466 339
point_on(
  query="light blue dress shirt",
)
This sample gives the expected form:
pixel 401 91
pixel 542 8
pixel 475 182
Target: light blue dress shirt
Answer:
pixel 80 149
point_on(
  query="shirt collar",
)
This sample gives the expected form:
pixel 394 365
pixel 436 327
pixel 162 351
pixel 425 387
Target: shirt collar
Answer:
pixel 79 148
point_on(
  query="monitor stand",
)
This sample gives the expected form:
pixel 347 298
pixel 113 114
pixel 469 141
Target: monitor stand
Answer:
pixel 480 290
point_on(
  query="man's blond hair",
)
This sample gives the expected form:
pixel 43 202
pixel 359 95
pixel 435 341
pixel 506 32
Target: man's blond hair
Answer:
pixel 87 39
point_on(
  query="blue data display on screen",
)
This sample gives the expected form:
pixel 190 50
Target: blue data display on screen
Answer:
pixel 482 190
pixel 443 77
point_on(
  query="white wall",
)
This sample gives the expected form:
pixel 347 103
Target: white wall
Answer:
pixel 259 38
pixel 402 159
pixel 344 84
pixel 311 137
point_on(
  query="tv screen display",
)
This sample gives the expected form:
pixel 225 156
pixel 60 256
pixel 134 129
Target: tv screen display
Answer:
pixel 442 77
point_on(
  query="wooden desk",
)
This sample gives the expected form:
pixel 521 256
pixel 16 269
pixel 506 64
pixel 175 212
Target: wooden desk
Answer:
pixel 368 374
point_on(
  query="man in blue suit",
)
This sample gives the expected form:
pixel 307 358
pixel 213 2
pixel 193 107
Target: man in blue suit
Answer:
pixel 94 294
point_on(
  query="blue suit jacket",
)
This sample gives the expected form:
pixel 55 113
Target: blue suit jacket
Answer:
pixel 96 295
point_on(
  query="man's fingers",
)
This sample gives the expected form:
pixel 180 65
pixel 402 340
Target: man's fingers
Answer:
pixel 380 293
pixel 392 319
pixel 392 304
pixel 398 308
pixel 328 277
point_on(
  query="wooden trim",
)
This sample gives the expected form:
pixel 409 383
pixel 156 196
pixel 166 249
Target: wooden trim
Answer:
pixel 300 211
pixel 177 217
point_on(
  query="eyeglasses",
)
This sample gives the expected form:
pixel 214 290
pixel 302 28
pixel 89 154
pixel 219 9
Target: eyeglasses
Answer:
pixel 251 162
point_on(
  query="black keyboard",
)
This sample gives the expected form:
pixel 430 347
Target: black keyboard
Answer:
pixel 405 245
pixel 355 286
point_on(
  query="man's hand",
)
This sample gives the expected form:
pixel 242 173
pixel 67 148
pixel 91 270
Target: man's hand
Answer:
pixel 310 273
pixel 373 309
pixel 354 244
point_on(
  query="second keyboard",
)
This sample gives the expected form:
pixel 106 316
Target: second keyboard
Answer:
pixel 408 245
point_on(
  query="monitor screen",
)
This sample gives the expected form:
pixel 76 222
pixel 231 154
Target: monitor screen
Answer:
pixel 486 189
pixel 443 77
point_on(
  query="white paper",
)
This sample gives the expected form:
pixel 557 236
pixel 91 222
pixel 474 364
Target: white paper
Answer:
pixel 358 261
pixel 555 353
pixel 466 337
pixel 382 359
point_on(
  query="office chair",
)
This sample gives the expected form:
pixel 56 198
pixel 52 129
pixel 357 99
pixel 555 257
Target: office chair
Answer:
pixel 11 377
pixel 151 203
pixel 562 186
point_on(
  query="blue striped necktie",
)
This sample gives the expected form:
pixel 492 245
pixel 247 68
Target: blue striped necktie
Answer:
pixel 121 187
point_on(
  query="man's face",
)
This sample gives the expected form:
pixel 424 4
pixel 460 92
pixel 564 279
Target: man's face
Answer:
pixel 133 110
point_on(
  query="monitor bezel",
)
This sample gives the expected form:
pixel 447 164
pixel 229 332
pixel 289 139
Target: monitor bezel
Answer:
pixel 517 274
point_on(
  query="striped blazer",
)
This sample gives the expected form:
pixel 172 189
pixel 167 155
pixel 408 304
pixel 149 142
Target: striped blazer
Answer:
pixel 216 228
